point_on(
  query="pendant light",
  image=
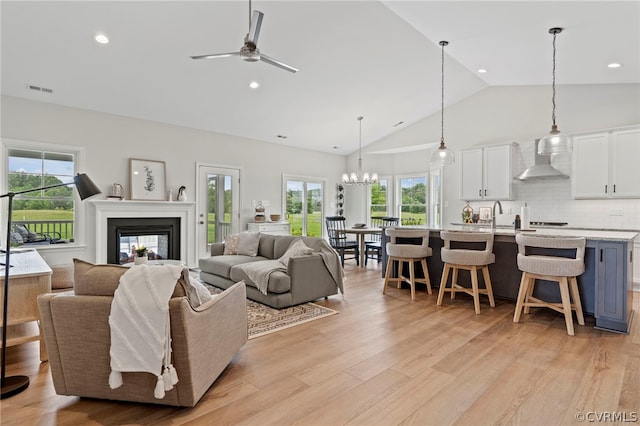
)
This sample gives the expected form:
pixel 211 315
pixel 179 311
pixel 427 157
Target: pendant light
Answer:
pixel 554 142
pixel 442 156
pixel 359 177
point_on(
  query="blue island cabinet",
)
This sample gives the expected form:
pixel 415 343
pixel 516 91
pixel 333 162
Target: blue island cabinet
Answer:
pixel 614 285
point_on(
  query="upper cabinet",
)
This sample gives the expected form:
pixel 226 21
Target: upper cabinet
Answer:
pixel 605 165
pixel 486 173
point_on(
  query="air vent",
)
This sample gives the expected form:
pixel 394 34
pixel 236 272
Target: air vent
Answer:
pixel 39 89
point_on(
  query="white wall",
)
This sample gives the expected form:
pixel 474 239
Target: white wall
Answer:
pixel 521 114
pixel 110 141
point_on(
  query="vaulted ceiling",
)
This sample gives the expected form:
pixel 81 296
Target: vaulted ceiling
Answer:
pixel 377 59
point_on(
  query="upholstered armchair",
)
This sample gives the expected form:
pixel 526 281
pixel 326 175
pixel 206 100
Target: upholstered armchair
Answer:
pixel 77 335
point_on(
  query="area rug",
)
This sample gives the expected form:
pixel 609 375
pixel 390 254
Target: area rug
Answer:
pixel 263 319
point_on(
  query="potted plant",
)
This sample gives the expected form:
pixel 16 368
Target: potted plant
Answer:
pixel 141 255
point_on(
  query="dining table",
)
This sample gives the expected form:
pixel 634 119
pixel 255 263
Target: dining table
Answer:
pixel 361 233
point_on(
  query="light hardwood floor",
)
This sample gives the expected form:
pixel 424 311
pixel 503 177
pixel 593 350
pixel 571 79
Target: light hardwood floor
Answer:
pixel 385 360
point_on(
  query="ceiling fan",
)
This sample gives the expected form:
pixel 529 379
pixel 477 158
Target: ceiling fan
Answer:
pixel 250 52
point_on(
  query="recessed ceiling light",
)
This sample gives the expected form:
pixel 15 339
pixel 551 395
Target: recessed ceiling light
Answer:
pixel 254 84
pixel 482 71
pixel 614 65
pixel 102 39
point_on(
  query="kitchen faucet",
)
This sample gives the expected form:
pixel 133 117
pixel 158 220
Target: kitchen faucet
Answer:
pixel 493 220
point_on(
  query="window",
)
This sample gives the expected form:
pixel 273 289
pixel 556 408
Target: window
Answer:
pixel 380 199
pixel 412 196
pixel 304 206
pixel 44 216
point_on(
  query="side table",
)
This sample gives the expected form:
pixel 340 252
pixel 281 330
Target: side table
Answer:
pixel 29 277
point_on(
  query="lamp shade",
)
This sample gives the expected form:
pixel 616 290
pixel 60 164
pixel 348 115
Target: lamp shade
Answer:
pixel 85 186
pixel 442 156
pixel 555 142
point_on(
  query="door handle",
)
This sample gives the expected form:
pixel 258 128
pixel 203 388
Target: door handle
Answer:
pixel 485 192
pixel 479 192
pixel 605 189
pixel 614 187
pixel 601 255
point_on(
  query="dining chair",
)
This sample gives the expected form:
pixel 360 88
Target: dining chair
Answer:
pixel 338 239
pixel 373 244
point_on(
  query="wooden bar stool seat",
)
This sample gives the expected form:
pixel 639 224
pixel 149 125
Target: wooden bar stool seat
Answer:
pixel 562 270
pixel 407 253
pixel 470 260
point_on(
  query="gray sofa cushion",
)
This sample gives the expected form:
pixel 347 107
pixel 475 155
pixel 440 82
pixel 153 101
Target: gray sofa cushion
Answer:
pixel 221 265
pixel 279 282
pixel 265 246
pixel 282 244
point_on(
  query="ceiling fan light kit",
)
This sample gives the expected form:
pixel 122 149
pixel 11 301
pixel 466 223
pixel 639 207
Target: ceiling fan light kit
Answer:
pixel 360 177
pixel 555 141
pixel 249 52
pixel 443 156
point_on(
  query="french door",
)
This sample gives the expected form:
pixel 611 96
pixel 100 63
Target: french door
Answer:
pixel 218 205
pixel 304 205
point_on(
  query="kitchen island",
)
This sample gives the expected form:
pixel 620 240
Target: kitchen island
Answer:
pixel 606 286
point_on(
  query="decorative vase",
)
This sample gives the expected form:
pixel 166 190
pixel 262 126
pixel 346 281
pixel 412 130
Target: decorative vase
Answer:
pixel 141 260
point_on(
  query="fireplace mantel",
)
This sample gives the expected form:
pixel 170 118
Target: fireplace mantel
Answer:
pixel 106 209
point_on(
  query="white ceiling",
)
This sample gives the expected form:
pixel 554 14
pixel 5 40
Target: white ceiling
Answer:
pixel 380 60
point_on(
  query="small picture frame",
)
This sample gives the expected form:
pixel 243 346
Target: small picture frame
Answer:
pixel 147 180
pixel 485 214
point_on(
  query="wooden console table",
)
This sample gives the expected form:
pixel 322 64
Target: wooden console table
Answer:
pixel 29 277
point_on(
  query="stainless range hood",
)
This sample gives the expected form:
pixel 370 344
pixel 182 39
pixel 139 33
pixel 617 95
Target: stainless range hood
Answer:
pixel 541 169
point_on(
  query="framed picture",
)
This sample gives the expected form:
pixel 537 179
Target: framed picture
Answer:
pixel 485 214
pixel 147 180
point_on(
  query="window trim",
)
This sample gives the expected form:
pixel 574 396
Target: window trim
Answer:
pixel 79 164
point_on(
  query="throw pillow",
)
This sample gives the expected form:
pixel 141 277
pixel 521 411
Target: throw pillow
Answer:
pixel 297 248
pixel 231 242
pixel 102 280
pixel 197 293
pixel 248 243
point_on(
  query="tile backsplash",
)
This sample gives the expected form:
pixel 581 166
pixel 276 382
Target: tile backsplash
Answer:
pixel 551 200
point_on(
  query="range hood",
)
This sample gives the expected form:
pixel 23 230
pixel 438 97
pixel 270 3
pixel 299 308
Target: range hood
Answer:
pixel 541 168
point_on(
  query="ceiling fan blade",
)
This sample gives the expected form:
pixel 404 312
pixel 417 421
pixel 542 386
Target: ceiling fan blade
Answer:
pixel 216 55
pixel 277 63
pixel 254 30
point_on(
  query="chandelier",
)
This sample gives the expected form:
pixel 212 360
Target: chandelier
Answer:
pixel 555 141
pixel 359 177
pixel 442 156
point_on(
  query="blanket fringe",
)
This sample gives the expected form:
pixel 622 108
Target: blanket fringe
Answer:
pixel 115 379
pixel 159 390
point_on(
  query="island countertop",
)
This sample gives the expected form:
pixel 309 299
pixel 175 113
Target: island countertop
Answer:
pixel 590 234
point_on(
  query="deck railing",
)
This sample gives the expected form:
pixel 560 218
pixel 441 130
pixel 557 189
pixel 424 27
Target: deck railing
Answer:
pixel 52 229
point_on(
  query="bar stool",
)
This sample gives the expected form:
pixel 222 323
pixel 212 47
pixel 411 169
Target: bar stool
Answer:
pixel 563 270
pixel 407 253
pixel 470 260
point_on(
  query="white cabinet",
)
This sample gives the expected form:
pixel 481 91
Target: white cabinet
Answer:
pixel 275 228
pixel 605 165
pixel 487 173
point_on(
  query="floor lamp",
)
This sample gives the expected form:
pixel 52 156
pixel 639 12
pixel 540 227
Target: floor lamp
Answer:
pixel 86 188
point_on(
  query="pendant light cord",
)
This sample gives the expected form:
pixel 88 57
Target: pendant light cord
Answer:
pixel 360 140
pixel 443 44
pixel 553 86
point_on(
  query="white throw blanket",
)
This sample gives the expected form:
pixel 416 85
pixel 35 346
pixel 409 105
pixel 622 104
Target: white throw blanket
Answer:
pixel 260 271
pixel 140 329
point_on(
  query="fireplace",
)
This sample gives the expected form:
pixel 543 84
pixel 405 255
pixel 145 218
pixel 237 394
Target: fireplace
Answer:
pixel 160 235
pixel 183 242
